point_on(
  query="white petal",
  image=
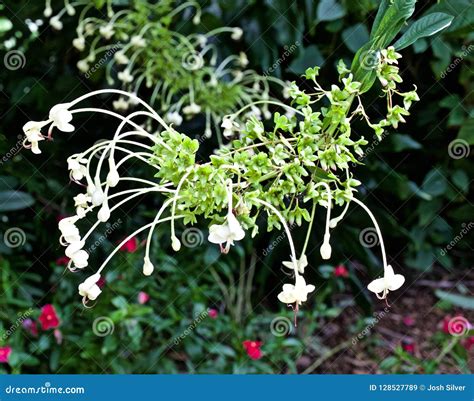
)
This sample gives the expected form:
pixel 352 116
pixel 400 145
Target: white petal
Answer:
pixel 218 234
pixel 396 282
pixel 377 286
pixel 235 228
pixel 286 298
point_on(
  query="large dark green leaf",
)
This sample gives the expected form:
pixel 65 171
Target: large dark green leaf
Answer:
pixel 425 26
pixel 14 200
pixel 330 10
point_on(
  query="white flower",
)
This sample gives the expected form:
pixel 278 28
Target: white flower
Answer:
pixel 121 58
pixel 226 233
pixel 201 40
pixel 389 282
pixel 297 293
pixel 121 104
pixel 137 41
pixel 32 130
pixel 191 109
pixel 89 288
pixel 78 256
pixel 48 11
pixel 77 171
pixel 61 117
pixel 175 243
pixel 82 200
pixel 79 43
pixel 300 264
pixel 125 76
pixel 70 10
pixel 196 19
pixel 69 231
pixel 82 65
pixel 56 23
pixel 174 118
pixel 107 31
pixel 229 126
pixel 113 176
pixel 147 266
pixel 243 60
pixel 237 33
pixel 326 249
pixel 104 212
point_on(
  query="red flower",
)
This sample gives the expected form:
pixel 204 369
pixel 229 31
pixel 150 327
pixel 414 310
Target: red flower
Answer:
pixel 408 346
pixel 101 282
pixel 48 318
pixel 143 297
pixel 253 349
pixel 341 271
pixel 62 261
pixel 30 325
pixel 130 246
pixel 5 354
pixel 213 314
pixel 468 343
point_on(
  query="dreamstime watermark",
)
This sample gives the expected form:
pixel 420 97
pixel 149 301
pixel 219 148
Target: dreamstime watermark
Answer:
pixel 45 389
pixel 370 59
pixel 368 237
pixel 109 230
pixel 458 149
pixel 369 149
pixel 458 60
pixel 105 57
pixel 13 151
pixel 192 326
pixel 14 60
pixel 22 316
pixel 378 316
pixel 14 237
pixel 192 237
pixel 277 241
pixel 103 326
pixel 288 51
pixel 281 326
pixel 458 326
pixel 466 228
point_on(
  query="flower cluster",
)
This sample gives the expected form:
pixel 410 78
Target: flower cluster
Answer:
pixel 185 74
pixel 285 172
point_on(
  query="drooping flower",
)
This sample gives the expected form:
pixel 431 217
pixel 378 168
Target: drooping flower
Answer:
pixel 237 33
pixel 69 232
pixel 121 104
pixel 300 264
pixel 79 43
pixel 32 130
pixel 107 31
pixel 5 353
pixel 48 318
pixel 341 271
pixel 253 349
pixel 226 233
pixel 125 76
pixel 326 249
pixel 148 267
pixel 296 293
pixel 89 288
pixel 389 282
pixel 78 256
pixel 174 118
pixel 130 246
pixel 143 297
pixel 61 117
pixel 121 58
pixel 192 109
pixel 137 41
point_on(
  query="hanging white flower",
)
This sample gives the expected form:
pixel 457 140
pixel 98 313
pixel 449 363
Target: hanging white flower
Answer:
pixel 243 60
pixel 137 41
pixel 61 117
pixel 32 130
pixel 82 200
pixel 300 264
pixel 125 76
pixel 79 43
pixel 237 33
pixel 192 109
pixel 83 66
pixel 56 23
pixel 77 171
pixel 121 58
pixel 69 232
pixel 89 288
pixel 226 233
pixel 296 293
pixel 107 31
pixel 389 282
pixel 147 266
pixel 121 104
pixel 174 118
pixel 326 249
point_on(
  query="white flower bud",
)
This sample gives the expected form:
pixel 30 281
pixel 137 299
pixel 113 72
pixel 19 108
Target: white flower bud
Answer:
pixel 175 243
pixel 326 249
pixel 147 267
pixel 104 213
pixel 98 196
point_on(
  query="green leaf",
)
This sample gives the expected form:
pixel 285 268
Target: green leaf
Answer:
pixel 434 183
pixel 466 132
pixel 330 10
pixel 355 36
pixel 403 142
pixel 456 299
pixel 309 57
pixel 5 24
pixel 425 26
pixel 14 200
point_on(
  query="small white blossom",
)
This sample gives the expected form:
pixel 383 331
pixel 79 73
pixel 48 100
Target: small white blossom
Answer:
pixel 174 118
pixel 32 130
pixel 79 43
pixel 192 109
pixel 82 65
pixel 147 267
pixel 121 58
pixel 107 31
pixel 89 288
pixel 300 264
pixel 137 41
pixel 125 76
pixel 121 104
pixel 61 117
pixel 389 282
pixel 297 293
pixel 243 60
pixel 226 233
pixel 76 168
pixel 237 34
pixel 56 23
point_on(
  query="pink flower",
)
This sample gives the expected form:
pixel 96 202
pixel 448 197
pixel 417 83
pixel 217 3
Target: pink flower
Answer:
pixel 468 343
pixel 408 346
pixel 213 313
pixel 5 354
pixel 48 318
pixel 143 297
pixel 130 246
pixel 253 349
pixel 408 321
pixel 30 326
pixel 58 335
pixel 341 271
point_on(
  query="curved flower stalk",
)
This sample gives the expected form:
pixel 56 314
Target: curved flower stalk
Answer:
pixel 303 161
pixel 186 75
